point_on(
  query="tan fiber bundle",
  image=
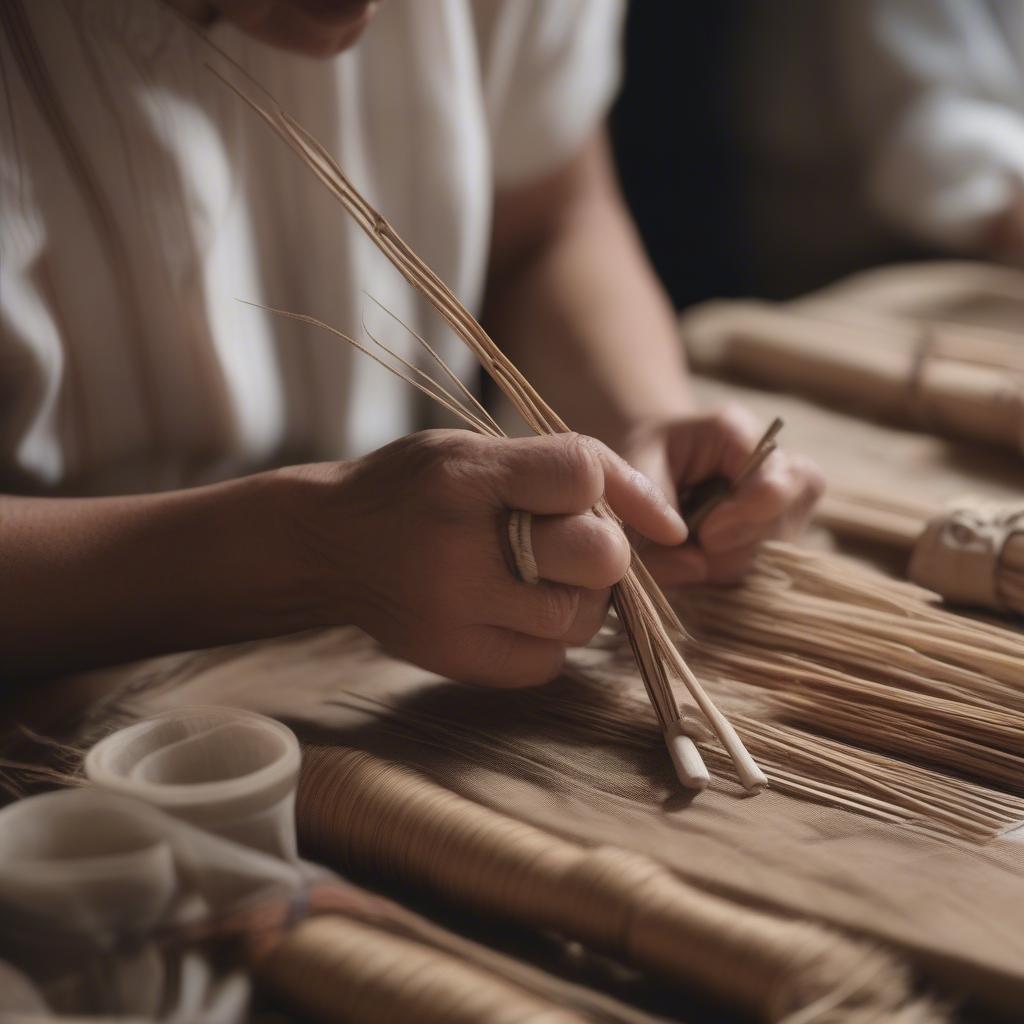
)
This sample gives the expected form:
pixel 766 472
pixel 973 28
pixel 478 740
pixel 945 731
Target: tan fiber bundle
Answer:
pixel 861 692
pixel 327 965
pixel 967 382
pixel 651 624
pixel 363 812
pixel 342 951
pixel 971 553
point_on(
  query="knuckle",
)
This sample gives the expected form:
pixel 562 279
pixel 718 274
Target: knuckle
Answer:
pixel 556 610
pixel 443 460
pixel 735 423
pixel 583 466
pixel 732 417
pixel 775 489
pixel 813 477
pixel 611 555
pixel 591 618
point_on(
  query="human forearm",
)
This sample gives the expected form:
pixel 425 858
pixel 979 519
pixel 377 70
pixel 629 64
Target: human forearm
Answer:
pixel 575 303
pixel 87 581
pixel 404 542
pixel 578 308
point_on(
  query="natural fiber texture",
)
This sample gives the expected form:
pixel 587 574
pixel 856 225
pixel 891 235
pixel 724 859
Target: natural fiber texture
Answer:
pixel 324 966
pixel 971 553
pixel 110 904
pixel 974 556
pixel 649 620
pixel 361 811
pixel 342 950
pixel 962 381
pixel 578 759
pixel 875 669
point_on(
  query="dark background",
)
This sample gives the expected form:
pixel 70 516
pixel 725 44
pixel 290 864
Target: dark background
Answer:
pixel 677 159
pixel 724 213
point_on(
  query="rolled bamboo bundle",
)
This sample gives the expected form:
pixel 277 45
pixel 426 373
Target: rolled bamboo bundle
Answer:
pixel 328 965
pixel 972 553
pixel 360 811
pixel 967 382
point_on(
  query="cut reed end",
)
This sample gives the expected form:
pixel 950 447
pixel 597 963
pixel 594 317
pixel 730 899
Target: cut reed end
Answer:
pixel 690 768
pixel 753 780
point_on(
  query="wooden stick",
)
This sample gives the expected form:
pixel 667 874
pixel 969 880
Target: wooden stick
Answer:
pixel 645 612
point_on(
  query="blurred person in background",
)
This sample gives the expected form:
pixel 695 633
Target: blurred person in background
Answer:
pixel 878 129
pixel 183 470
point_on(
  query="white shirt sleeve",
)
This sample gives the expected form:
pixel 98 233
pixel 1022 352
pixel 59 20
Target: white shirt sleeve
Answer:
pixel 938 91
pixel 550 72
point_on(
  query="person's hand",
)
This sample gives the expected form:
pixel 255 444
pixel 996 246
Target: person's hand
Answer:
pixel 775 503
pixel 317 28
pixel 409 543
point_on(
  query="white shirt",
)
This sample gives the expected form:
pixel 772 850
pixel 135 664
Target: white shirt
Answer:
pixel 937 92
pixel 139 199
pixel 868 124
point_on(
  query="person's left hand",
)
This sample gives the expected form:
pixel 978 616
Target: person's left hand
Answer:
pixel 774 503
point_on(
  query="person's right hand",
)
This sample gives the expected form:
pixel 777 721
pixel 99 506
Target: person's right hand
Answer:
pixel 409 543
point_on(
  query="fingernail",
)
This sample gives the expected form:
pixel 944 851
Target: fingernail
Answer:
pixel 678 521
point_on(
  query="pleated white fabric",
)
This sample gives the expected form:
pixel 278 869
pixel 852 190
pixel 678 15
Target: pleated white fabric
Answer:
pixel 140 199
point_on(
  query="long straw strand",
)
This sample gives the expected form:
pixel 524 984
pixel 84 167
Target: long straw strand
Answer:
pixel 637 595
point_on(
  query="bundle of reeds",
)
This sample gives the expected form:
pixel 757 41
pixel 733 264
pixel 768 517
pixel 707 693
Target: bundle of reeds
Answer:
pixel 649 620
pixel 966 382
pixel 868 695
pixel 363 812
pixel 342 951
pixel 971 553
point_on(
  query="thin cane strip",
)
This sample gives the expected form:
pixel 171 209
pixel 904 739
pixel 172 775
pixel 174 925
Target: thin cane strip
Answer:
pixel 932 732
pixel 982 723
pixel 992 682
pixel 930 641
pixel 764 447
pixel 443 366
pixel 443 398
pixel 830 792
pixel 892 661
pixel 975 640
pixel 538 415
pixel 449 400
pixel 423 279
pixel 904 733
pixel 934 796
pixel 750 776
pixel 987 738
